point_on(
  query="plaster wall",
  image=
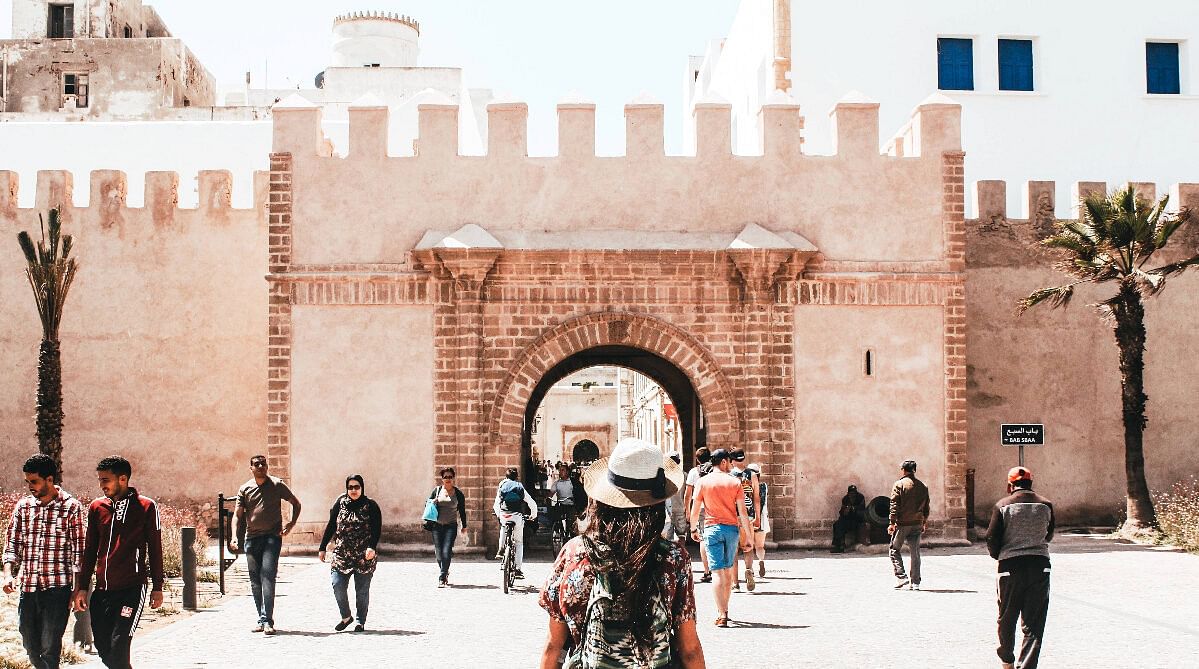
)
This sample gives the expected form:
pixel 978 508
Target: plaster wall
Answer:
pixel 1059 367
pixel 1090 83
pixel 162 334
pixel 128 79
pixel 365 42
pixel 853 428
pixel 362 402
pixel 645 192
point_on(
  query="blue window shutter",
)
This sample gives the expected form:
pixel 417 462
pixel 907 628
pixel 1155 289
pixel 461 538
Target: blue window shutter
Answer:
pixel 1161 68
pixel 955 64
pixel 1015 65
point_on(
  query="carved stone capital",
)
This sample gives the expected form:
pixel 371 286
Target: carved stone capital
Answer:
pixel 468 268
pixel 762 269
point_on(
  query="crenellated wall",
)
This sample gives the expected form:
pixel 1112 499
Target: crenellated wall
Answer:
pixel 1059 367
pixel 162 335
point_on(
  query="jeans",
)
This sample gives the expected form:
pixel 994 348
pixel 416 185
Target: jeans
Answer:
pixel 362 594
pixel 43 620
pixel 911 535
pixel 443 546
pixel 115 614
pixel 1023 592
pixel 262 561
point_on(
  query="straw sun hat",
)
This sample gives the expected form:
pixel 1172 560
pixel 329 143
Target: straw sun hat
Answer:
pixel 636 474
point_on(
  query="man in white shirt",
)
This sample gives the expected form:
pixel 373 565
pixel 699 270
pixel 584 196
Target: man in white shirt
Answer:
pixel 701 467
pixel 507 508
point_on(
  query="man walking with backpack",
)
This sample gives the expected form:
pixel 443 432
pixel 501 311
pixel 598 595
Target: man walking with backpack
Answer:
pixel 512 504
pixel 721 498
pixel 1018 536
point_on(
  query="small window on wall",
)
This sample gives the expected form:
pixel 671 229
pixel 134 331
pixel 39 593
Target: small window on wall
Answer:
pixel 128 32
pixel 75 85
pixel 1015 65
pixel 955 64
pixel 868 363
pixel 1161 68
pixel 61 22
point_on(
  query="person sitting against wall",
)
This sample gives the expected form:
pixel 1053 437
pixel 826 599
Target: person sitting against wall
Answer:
pixel 850 518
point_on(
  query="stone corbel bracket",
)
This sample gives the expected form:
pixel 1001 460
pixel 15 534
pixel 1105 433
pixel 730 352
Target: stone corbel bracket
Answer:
pixel 466 256
pixel 765 259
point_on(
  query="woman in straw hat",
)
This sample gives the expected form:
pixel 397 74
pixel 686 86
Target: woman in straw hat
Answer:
pixel 620 595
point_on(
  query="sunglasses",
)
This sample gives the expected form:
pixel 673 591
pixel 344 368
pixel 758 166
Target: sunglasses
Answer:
pixel 258 464
pixel 447 478
pixel 354 487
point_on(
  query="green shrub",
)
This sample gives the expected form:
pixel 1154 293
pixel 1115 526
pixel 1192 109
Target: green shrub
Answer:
pixel 1178 514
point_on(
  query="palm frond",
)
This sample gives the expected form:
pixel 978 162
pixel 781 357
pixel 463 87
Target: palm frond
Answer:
pixel 1170 225
pixel 1058 296
pixel 1173 268
pixel 27 247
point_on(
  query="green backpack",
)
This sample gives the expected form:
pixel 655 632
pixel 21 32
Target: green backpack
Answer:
pixel 608 643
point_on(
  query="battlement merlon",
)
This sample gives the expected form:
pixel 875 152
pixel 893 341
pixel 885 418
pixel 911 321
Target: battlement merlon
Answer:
pixel 109 189
pixel 379 16
pixel 935 128
pixel 990 197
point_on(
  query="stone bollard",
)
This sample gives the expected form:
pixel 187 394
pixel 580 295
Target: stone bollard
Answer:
pixel 189 568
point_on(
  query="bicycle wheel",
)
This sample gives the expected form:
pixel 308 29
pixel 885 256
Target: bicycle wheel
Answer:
pixel 558 539
pixel 506 568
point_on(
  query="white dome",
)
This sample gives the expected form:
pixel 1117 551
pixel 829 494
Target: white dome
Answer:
pixel 383 39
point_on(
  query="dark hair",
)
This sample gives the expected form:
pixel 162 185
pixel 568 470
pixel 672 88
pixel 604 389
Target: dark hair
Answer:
pixel 738 454
pixel 358 478
pixel 702 454
pixel 116 464
pixel 909 466
pixel 257 457
pixel 443 471
pixel 513 472
pixel 1026 484
pixel 624 544
pixel 41 464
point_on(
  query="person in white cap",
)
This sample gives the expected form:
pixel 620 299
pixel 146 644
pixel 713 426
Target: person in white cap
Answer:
pixel 620 595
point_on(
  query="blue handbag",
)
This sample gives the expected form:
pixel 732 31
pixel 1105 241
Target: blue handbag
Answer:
pixel 430 510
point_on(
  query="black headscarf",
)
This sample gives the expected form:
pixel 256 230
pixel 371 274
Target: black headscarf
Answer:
pixel 355 504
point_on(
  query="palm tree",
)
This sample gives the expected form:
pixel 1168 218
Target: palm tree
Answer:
pixel 1112 242
pixel 50 273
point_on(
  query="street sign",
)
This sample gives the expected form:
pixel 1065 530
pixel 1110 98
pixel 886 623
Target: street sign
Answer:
pixel 1021 435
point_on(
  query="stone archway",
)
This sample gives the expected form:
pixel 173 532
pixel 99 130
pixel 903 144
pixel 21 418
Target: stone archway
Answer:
pixel 506 420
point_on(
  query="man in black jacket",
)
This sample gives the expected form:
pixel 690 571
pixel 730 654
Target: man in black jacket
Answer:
pixel 1019 535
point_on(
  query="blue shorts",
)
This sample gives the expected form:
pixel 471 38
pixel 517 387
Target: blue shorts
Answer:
pixel 721 541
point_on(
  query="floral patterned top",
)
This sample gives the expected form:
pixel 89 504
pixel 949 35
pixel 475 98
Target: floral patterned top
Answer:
pixel 354 528
pixel 568 587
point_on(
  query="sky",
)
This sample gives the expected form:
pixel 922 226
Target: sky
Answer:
pixel 537 51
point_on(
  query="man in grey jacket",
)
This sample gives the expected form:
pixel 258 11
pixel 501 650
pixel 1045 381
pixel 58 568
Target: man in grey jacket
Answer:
pixel 1019 535
pixel 908 521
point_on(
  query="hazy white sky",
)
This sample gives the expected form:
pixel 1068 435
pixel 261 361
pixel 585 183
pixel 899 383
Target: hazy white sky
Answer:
pixel 535 50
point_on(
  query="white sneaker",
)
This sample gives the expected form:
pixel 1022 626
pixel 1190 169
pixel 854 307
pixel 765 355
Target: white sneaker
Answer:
pixel 902 583
pixel 915 586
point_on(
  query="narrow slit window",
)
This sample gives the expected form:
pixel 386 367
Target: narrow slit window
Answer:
pixel 868 364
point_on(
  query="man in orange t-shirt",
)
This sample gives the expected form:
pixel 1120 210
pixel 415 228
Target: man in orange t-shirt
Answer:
pixel 720 495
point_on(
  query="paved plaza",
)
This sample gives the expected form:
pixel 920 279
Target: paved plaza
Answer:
pixel 1113 605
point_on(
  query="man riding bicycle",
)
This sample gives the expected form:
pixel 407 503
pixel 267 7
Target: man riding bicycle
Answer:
pixel 512 505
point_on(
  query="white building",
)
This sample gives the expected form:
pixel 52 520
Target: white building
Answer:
pixel 1061 91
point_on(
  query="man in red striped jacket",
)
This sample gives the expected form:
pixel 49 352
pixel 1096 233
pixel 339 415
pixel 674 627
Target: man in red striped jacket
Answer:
pixel 44 542
pixel 123 547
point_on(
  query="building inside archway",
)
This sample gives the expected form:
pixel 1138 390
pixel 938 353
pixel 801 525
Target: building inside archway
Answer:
pixel 584 415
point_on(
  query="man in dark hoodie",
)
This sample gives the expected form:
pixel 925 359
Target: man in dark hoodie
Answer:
pixel 123 547
pixel 1019 535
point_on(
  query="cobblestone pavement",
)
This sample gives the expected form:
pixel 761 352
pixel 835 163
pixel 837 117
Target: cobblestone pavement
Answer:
pixel 1113 605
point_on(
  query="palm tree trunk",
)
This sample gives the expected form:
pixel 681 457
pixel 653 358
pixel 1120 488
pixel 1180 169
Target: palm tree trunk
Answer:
pixel 49 401
pixel 1129 312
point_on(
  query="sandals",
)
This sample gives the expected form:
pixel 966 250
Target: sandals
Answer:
pixel 722 621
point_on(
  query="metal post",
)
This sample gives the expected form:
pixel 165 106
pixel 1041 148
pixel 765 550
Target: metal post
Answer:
pixel 189 568
pixel 220 538
pixel 1021 455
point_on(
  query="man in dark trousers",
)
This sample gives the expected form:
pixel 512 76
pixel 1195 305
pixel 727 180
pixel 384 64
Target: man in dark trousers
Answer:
pixel 1018 536
pixel 908 521
pixel 123 547
pixel 851 515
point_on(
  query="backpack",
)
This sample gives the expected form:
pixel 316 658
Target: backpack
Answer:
pixel 606 643
pixel 512 497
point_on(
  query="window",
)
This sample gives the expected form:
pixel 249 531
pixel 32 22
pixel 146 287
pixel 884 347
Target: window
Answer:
pixel 955 64
pixel 128 32
pixel 75 85
pixel 62 22
pixel 1161 68
pixel 1015 65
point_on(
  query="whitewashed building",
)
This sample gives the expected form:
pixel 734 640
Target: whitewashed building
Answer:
pixel 1065 91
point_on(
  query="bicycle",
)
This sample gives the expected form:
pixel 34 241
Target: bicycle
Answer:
pixel 508 557
pixel 562 529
